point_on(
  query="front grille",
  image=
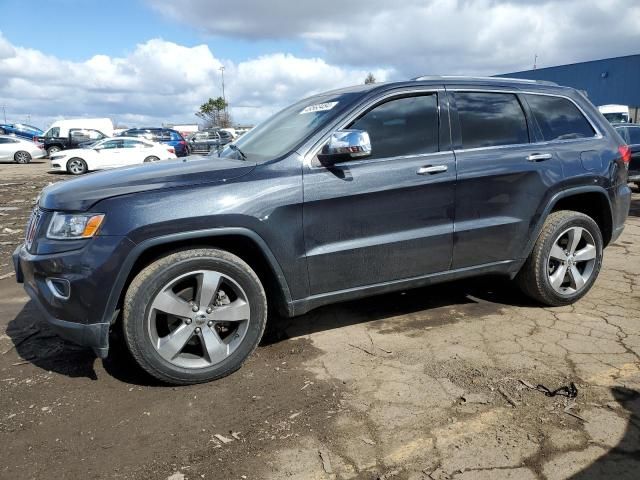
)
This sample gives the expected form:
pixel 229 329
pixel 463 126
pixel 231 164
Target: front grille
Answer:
pixel 32 227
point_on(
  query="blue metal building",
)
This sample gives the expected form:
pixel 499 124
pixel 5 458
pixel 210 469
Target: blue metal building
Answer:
pixel 609 81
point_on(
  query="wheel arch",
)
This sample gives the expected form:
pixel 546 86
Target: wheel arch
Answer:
pixel 244 243
pixel 590 200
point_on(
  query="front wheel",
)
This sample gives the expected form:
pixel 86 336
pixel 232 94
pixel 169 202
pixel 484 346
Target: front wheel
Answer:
pixel 22 157
pixel 194 316
pixel 77 166
pixel 52 150
pixel 565 260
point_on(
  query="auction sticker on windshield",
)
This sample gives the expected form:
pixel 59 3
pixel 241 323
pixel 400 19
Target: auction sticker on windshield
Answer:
pixel 319 107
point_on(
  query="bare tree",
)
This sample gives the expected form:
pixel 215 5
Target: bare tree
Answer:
pixel 370 79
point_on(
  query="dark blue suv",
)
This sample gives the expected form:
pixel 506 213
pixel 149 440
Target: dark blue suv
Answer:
pixel 346 194
pixel 20 130
pixel 160 135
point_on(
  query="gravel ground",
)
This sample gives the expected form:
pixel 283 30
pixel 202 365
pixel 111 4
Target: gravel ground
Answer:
pixel 432 383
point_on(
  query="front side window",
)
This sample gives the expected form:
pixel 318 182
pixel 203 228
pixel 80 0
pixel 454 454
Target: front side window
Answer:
pixel 558 118
pixel 400 127
pixel 111 144
pixel 490 119
pixel 53 132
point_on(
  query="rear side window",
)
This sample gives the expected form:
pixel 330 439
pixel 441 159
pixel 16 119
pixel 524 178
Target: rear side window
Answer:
pixel 634 135
pixel 490 119
pixel 558 118
pixel 405 126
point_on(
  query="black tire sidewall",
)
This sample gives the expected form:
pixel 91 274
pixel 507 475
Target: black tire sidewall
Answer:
pixel 135 322
pixel 15 157
pixel 86 168
pixel 577 220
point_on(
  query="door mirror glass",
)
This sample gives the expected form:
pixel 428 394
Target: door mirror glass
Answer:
pixel 345 145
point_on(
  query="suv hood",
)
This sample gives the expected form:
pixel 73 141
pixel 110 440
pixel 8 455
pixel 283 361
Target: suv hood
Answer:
pixel 81 193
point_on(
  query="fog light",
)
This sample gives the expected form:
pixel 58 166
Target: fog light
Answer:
pixel 59 287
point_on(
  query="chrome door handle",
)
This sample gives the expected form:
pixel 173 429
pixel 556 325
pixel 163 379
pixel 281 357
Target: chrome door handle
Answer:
pixel 538 157
pixel 432 169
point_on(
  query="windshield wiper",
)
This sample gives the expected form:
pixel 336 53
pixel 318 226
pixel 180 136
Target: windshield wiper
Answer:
pixel 235 148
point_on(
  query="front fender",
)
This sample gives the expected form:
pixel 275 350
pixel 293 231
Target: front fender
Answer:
pixel 140 248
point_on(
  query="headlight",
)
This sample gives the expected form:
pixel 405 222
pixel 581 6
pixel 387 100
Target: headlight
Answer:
pixel 75 225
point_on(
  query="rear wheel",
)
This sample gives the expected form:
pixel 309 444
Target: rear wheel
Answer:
pixel 565 260
pixel 151 158
pixel 194 316
pixel 22 157
pixel 76 166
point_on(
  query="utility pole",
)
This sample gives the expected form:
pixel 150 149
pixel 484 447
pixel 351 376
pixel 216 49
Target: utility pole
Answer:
pixel 4 110
pixel 535 61
pixel 223 97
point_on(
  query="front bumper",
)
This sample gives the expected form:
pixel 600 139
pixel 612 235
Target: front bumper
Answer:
pixel 82 316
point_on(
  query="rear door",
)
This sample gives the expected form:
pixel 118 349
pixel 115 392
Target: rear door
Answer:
pixel 388 216
pixel 502 176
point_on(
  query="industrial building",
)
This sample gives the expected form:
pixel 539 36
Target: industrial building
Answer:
pixel 608 81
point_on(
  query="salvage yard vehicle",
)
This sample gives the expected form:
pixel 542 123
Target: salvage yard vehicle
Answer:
pixel 167 136
pixel 62 133
pixel 75 138
pixel 110 153
pixel 351 193
pixel 19 150
pixel 630 133
pixel 20 130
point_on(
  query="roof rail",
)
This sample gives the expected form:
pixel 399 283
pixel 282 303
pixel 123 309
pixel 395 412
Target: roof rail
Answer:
pixel 494 79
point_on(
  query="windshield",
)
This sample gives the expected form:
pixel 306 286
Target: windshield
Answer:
pixel 283 132
pixel 617 117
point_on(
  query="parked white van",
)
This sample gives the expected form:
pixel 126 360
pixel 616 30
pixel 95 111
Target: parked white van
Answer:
pixel 60 128
pixel 615 113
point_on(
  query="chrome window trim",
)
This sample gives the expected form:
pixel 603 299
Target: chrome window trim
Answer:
pixel 313 151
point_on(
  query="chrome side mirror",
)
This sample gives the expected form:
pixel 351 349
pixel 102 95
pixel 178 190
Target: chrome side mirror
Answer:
pixel 344 145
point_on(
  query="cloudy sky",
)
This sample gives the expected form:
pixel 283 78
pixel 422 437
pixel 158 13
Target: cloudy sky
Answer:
pixel 145 62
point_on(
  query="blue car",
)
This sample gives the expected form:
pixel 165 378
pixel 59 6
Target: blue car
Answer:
pixel 160 135
pixel 20 130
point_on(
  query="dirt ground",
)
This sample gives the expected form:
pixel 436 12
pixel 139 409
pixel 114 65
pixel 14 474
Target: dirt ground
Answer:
pixel 433 383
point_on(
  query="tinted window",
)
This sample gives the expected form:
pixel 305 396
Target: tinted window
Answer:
pixel 406 126
pixel 490 119
pixel 558 118
pixel 112 144
pixel 53 132
pixel 634 135
pixel 132 144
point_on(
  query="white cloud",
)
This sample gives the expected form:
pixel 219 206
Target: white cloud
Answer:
pixel 146 87
pixel 428 36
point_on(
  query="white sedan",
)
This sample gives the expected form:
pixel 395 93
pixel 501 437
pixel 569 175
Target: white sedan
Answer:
pixel 19 150
pixel 110 153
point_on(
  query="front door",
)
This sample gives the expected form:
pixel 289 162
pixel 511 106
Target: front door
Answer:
pixel 388 216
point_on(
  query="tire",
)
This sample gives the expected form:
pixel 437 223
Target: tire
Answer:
pixel 22 157
pixel 2 131
pixel 552 275
pixel 175 349
pixel 151 158
pixel 77 166
pixel 53 150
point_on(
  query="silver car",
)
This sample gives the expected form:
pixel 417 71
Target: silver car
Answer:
pixel 19 149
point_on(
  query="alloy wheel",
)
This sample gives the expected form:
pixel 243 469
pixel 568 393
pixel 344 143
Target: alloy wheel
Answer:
pixel 76 167
pixel 572 260
pixel 22 157
pixel 198 319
